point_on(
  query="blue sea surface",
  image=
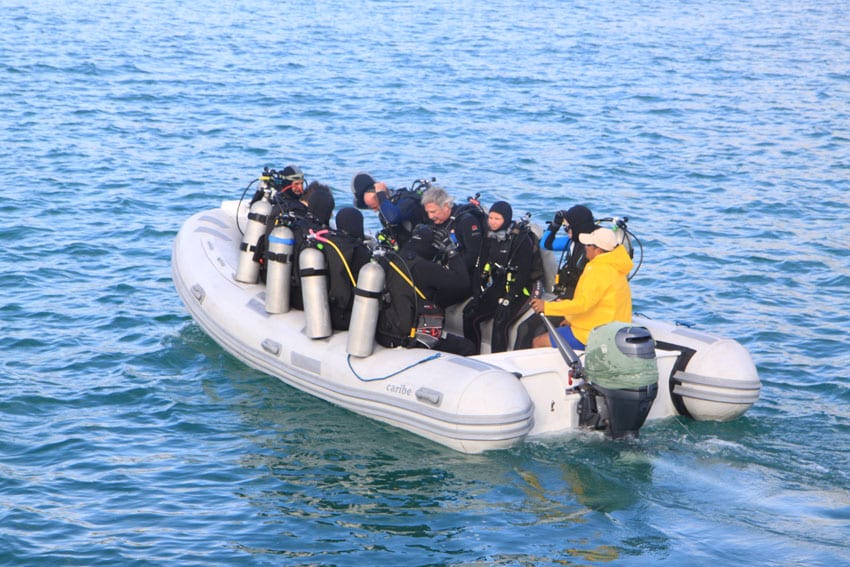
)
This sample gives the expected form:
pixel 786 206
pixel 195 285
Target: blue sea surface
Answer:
pixel 128 437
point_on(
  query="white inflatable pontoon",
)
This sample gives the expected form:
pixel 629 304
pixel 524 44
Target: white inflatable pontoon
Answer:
pixel 471 404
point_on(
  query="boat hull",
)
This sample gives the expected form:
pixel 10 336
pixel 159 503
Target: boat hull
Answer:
pixel 471 404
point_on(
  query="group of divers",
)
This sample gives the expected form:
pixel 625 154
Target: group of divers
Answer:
pixel 436 253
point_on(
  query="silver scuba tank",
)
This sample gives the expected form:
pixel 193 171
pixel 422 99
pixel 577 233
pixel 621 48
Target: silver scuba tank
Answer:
pixel 279 271
pixel 364 313
pixel 248 270
pixel 314 290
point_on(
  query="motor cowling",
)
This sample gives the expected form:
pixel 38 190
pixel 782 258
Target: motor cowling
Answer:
pixel 279 269
pixel 622 376
pixel 248 270
pixel 314 291
pixel 366 309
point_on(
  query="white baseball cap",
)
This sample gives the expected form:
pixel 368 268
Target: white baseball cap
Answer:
pixel 603 238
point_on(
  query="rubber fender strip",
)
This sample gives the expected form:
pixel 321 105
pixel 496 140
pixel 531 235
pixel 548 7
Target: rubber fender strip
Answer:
pixel 739 398
pixel 729 384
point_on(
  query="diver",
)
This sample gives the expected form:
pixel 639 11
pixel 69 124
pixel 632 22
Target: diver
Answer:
pixel 575 221
pixel 502 278
pixel 418 291
pixel 399 210
pixel 316 218
pixel 601 296
pixel 346 252
pixel 460 226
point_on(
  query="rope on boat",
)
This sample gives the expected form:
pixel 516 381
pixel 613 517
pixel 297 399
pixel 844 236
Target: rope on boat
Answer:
pixel 399 371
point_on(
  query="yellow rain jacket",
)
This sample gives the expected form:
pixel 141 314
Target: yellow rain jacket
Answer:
pixel 602 295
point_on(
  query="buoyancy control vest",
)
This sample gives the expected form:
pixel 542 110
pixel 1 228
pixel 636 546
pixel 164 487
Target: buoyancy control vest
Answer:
pixel 464 229
pixel 573 259
pixel 466 213
pixel 473 209
pixel 570 271
pixel 510 262
pixel 401 302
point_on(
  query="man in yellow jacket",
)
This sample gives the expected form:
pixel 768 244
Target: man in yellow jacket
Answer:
pixel 602 294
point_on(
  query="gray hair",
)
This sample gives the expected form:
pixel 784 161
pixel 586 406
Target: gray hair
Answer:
pixel 437 195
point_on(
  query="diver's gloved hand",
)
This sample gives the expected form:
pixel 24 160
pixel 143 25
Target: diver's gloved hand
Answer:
pixel 558 220
pixel 445 247
pixel 441 235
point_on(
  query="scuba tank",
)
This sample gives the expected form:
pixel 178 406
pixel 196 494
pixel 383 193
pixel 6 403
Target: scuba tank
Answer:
pixel 279 257
pixel 364 313
pixel 248 270
pixel 314 291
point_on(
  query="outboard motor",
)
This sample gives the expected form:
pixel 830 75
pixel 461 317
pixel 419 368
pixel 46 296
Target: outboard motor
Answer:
pixel 249 270
pixel 279 271
pixel 367 307
pixel 622 377
pixel 314 290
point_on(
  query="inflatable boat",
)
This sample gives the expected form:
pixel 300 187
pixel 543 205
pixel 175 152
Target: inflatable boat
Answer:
pixel 470 404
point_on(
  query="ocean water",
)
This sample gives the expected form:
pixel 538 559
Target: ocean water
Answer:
pixel 128 437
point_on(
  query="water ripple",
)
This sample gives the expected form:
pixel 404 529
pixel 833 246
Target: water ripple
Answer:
pixel 129 437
